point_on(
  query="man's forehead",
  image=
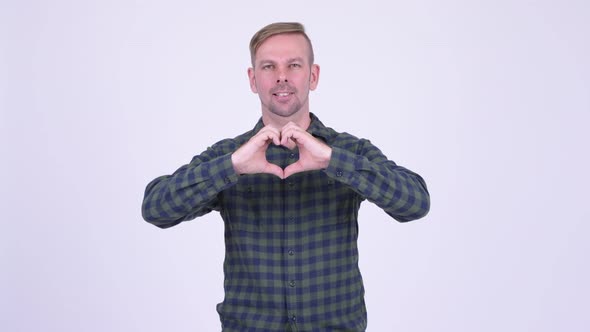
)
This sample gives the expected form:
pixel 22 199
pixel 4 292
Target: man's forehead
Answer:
pixel 283 45
pixel 282 59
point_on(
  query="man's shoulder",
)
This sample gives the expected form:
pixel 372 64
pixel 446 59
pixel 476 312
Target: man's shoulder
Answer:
pixel 231 144
pixel 330 135
pixel 343 139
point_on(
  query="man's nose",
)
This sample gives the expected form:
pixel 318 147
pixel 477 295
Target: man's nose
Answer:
pixel 282 76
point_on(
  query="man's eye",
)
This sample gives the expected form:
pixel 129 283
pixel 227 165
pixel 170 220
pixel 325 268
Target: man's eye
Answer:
pixel 295 65
pixel 267 67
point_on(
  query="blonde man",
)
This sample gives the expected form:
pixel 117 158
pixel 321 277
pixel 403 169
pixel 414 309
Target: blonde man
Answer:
pixel 288 191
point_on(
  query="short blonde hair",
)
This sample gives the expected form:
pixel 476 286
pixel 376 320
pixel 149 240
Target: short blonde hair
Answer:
pixel 277 29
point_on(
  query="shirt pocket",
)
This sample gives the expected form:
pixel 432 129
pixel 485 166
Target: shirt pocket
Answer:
pixel 252 205
pixel 328 202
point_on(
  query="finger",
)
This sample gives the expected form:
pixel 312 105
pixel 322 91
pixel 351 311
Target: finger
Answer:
pixel 275 134
pixel 288 138
pixel 288 129
pixel 269 134
pixel 289 143
pixel 285 135
pixel 270 131
pixel 295 132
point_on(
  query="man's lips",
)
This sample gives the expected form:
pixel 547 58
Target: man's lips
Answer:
pixel 283 93
pixel 282 90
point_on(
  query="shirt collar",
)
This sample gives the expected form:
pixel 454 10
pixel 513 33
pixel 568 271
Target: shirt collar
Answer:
pixel 316 128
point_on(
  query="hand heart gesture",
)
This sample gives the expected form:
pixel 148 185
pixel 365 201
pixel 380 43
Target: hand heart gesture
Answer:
pixel 250 158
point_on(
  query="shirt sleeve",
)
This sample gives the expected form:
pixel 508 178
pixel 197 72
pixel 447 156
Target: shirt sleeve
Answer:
pixel 191 191
pixel 401 193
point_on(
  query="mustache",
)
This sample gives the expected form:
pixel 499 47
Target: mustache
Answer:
pixel 283 87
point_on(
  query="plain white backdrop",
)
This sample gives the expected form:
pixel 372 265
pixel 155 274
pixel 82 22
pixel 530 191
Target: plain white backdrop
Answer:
pixel 488 100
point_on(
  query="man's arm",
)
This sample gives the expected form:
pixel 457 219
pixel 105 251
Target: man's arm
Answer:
pixel 191 191
pixel 400 192
pixel 362 166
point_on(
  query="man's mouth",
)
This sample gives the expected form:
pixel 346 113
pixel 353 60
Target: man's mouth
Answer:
pixel 282 94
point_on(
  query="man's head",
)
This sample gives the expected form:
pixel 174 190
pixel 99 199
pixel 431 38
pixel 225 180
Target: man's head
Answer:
pixel 283 72
pixel 276 29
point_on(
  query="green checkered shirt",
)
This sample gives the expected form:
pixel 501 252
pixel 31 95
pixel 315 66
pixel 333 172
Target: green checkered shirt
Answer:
pixel 291 258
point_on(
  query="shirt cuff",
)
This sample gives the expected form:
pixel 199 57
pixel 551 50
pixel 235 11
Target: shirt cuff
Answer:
pixel 222 173
pixel 342 165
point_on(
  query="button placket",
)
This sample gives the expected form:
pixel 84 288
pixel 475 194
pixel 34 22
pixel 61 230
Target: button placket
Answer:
pixel 291 215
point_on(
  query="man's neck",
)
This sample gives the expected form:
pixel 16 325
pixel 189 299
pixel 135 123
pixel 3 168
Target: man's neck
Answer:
pixel 301 118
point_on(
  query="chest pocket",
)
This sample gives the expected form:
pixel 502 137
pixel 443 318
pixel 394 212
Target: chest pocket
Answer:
pixel 326 202
pixel 254 204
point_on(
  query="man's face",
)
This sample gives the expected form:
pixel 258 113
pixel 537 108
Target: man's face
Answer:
pixel 283 75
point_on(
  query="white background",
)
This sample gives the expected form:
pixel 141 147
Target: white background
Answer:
pixel 488 100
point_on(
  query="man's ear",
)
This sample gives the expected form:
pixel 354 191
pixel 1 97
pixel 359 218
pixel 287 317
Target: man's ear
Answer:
pixel 314 77
pixel 252 80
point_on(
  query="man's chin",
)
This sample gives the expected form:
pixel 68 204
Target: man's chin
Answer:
pixel 284 113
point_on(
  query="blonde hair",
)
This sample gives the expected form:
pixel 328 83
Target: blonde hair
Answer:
pixel 277 29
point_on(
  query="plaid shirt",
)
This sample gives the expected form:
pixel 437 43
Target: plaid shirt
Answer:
pixel 291 258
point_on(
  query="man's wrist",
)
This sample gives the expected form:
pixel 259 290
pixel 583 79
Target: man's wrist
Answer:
pixel 327 159
pixel 235 164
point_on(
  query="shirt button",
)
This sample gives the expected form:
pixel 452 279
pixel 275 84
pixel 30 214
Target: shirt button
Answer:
pixel 292 155
pixel 291 184
pixel 227 180
pixel 292 283
pixel 338 173
pixel 293 318
pixel 291 252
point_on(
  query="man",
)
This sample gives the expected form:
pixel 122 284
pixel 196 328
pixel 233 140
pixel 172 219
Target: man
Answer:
pixel 289 192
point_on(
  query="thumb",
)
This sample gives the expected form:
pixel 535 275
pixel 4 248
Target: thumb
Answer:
pixel 275 170
pixel 292 169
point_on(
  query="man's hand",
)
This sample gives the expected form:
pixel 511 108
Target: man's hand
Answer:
pixel 313 153
pixel 250 158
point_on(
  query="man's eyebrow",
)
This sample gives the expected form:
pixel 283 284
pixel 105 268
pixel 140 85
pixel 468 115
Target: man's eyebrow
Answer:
pixel 296 59
pixel 265 62
pixel 290 60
